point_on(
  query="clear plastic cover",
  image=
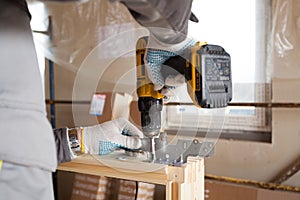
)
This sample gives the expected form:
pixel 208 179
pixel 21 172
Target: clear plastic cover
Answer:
pixel 285 35
pixel 68 31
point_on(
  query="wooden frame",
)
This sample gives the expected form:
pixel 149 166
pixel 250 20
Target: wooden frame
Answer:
pixel 182 182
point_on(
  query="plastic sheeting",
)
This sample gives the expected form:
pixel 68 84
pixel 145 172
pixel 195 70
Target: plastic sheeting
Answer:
pixel 74 29
pixel 285 39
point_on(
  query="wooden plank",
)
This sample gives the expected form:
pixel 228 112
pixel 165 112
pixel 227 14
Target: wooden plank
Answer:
pixel 110 166
pixel 119 160
pixel 183 190
pixel 175 192
pixel 110 172
pixel 198 177
pixel 169 190
pixel 184 182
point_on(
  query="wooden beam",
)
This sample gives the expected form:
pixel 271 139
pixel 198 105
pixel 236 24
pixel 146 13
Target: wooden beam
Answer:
pixel 182 182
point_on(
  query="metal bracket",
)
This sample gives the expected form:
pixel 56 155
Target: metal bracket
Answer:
pixel 177 154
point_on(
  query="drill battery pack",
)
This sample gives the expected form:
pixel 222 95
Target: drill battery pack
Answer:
pixel 207 70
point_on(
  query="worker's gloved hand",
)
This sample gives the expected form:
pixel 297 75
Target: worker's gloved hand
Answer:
pixel 107 137
pixel 156 54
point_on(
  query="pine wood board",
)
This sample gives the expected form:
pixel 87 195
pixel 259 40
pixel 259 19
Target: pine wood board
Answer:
pixel 184 182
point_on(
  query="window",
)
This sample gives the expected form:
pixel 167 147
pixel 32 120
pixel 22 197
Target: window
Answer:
pixel 241 27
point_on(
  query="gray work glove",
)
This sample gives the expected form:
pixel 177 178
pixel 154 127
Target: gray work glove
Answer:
pixel 156 54
pixel 107 137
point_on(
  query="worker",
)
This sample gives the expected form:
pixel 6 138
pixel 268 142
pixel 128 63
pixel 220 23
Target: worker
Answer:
pixel 27 147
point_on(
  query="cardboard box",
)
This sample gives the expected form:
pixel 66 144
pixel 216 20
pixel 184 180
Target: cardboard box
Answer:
pixel 76 186
pixel 107 110
pixel 116 105
pixel 135 115
pixel 127 190
pixel 217 190
pixel 89 187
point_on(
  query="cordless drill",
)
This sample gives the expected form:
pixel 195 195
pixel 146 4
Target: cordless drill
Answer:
pixel 207 71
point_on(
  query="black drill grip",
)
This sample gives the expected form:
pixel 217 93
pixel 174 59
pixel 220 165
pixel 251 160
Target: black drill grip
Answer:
pixel 173 66
pixel 177 65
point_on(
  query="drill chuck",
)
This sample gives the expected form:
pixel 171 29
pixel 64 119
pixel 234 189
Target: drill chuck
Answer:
pixel 150 109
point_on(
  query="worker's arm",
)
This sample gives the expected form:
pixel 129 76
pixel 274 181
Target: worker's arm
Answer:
pixel 167 20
